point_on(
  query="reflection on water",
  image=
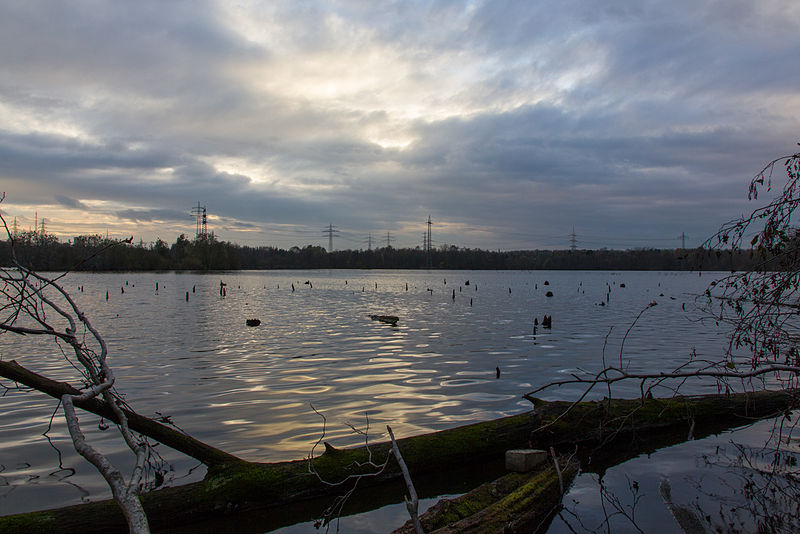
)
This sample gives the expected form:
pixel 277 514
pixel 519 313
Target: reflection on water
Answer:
pixel 248 390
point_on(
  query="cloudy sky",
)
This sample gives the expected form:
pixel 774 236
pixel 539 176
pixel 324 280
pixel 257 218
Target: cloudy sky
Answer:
pixel 509 123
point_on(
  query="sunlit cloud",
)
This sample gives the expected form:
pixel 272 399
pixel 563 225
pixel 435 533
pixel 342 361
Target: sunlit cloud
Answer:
pixel 507 123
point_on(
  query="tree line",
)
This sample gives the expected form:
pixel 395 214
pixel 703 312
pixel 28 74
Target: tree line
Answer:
pixel 207 253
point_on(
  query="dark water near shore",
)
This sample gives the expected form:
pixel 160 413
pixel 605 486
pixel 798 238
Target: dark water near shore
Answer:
pixel 249 390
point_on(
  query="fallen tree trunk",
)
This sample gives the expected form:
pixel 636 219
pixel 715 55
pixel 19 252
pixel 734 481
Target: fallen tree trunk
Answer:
pixel 170 437
pixel 627 427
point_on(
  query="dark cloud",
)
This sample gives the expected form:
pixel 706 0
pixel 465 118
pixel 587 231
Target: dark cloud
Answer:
pixel 70 203
pixel 509 122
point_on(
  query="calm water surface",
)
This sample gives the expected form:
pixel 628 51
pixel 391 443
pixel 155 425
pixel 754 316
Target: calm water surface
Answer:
pixel 249 390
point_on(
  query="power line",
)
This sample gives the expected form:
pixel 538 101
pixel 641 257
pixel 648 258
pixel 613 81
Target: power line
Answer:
pixel 350 239
pixel 428 243
pixel 200 215
pixel 331 231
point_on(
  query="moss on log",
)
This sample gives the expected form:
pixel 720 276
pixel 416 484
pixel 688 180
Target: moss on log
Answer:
pixel 515 502
pixel 598 426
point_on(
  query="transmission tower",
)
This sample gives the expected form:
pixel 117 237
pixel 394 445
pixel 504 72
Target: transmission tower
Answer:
pixel 683 240
pixel 389 239
pixel 331 231
pixel 428 244
pixel 369 241
pixel 201 217
pixel 573 240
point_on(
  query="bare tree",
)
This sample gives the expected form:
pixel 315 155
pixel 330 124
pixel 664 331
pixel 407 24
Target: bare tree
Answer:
pixel 36 305
pixel 762 304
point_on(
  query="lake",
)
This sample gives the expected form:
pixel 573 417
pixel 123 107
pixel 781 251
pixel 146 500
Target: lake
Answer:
pixel 250 390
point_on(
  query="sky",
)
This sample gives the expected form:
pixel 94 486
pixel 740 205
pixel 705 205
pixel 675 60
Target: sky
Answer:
pixel 509 123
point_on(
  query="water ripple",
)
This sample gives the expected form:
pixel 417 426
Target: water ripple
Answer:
pixel 250 390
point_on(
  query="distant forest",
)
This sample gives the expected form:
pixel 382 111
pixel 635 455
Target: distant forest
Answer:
pixel 206 253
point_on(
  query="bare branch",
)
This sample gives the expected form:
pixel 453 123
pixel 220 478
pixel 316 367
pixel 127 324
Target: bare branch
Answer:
pixel 31 297
pixel 603 378
pixel 411 504
pixel 178 440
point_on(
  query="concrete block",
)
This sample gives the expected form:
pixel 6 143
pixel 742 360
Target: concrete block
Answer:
pixel 523 460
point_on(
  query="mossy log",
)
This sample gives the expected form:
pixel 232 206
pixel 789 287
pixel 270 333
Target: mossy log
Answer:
pixel 624 427
pixel 515 502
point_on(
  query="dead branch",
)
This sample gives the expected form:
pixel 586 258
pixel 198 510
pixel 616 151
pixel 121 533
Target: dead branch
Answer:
pixel 155 430
pixel 621 375
pixel 31 297
pixel 366 469
pixel 32 303
pixel 412 504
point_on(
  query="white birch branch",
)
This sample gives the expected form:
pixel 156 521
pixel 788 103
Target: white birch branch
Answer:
pixel 27 296
pixel 411 504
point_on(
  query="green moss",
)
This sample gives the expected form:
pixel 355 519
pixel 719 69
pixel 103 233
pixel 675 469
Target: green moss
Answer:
pixel 335 465
pixel 458 510
pixel 519 501
pixel 592 420
pixel 528 492
pixel 251 482
pixel 285 481
pixel 467 441
pixel 478 499
pixel 31 522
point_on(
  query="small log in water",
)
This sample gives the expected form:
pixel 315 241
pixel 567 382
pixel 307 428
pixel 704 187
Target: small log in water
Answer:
pixel 388 319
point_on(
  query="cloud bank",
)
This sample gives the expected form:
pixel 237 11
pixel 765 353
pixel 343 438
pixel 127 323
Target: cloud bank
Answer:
pixel 509 123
